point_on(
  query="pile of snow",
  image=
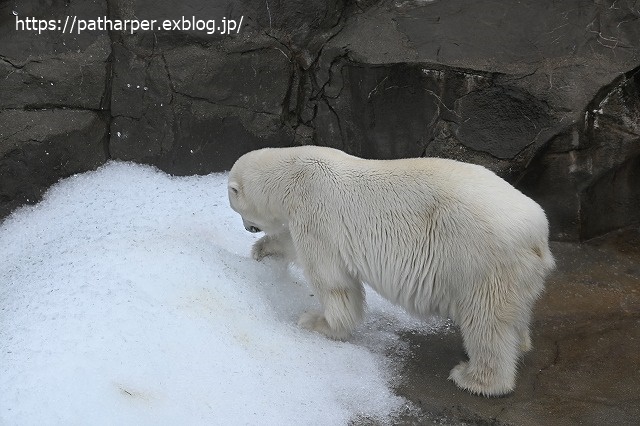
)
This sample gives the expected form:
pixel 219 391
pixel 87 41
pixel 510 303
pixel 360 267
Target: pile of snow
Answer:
pixel 128 297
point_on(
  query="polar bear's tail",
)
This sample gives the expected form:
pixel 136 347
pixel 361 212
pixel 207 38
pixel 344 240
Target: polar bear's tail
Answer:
pixel 539 240
pixel 548 262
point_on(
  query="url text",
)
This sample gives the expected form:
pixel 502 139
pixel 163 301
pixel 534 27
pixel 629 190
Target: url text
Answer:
pixel 74 25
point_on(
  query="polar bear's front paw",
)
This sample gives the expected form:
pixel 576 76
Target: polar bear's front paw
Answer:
pixel 263 248
pixel 258 251
pixel 481 383
pixel 316 321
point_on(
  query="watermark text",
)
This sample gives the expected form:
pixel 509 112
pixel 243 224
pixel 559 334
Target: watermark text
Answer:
pixel 75 25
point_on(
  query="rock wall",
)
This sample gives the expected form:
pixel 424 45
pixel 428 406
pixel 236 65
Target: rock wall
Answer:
pixel 548 97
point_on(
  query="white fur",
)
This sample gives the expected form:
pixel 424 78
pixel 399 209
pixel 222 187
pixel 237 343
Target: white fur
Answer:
pixel 435 236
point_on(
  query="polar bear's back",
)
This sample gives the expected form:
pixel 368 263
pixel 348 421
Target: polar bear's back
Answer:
pixel 471 194
pixel 425 225
pixel 434 182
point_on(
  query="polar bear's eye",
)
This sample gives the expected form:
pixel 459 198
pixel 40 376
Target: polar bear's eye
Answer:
pixel 233 188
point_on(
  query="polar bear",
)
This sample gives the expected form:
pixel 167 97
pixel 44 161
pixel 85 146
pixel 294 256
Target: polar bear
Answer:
pixel 432 235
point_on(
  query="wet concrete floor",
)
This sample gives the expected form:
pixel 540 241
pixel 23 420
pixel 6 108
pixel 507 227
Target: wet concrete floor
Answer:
pixel 584 368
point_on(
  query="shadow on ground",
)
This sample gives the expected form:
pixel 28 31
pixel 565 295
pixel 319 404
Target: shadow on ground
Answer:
pixel 585 365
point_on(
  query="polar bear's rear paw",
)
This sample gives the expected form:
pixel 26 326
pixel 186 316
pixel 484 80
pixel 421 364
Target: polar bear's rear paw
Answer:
pixel 481 383
pixel 316 321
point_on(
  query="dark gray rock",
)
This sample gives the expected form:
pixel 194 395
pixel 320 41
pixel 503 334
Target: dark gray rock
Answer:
pixel 480 110
pixel 21 46
pixel 38 148
pixel 207 137
pixel 52 69
pixel 378 111
pixel 71 79
pixel 196 109
pixel 611 159
pixel 612 201
pixel 586 177
pixel 257 81
pixel 53 88
pixel 141 107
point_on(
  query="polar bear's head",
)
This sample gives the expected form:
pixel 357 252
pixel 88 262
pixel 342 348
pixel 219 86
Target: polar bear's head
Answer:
pixel 254 192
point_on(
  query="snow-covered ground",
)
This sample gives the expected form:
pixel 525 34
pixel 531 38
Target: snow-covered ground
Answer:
pixel 128 297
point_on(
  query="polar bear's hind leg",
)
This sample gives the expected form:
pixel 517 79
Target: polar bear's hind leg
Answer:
pixel 493 349
pixel 524 334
